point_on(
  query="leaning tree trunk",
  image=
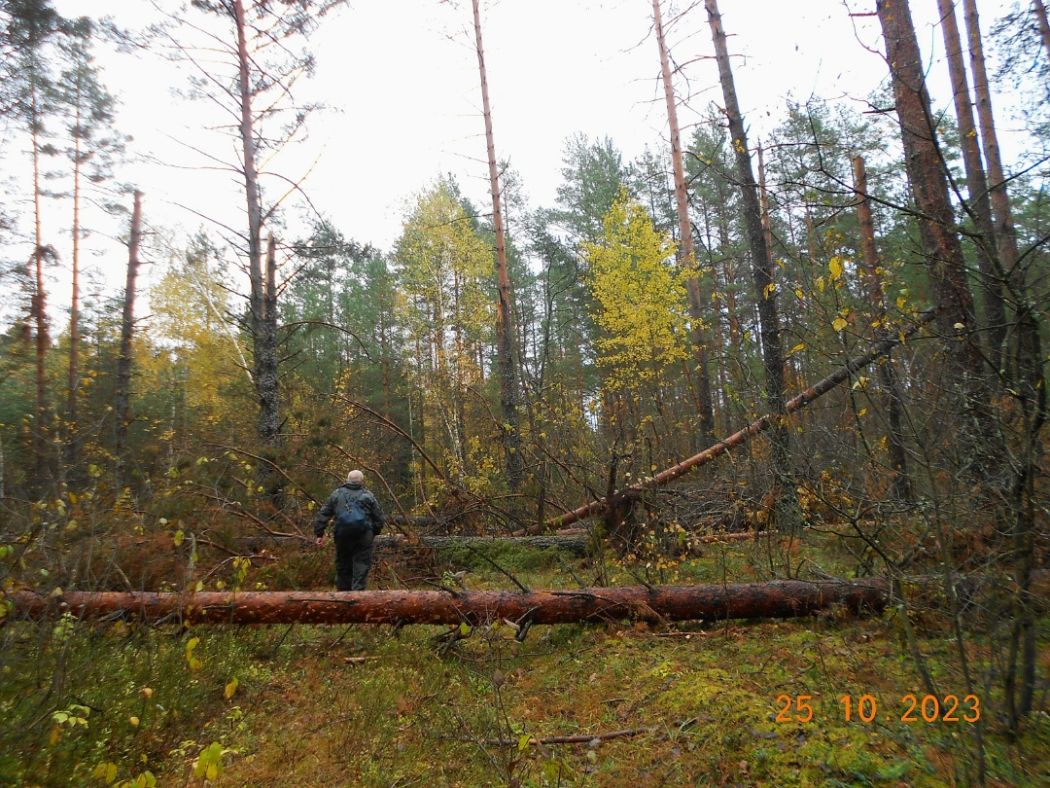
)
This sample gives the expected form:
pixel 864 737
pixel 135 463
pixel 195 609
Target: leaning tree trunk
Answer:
pixel 941 247
pixel 776 599
pixel 509 387
pixel 687 261
pixel 761 260
pixel 122 396
pixel 977 189
pixel 902 488
pixel 741 437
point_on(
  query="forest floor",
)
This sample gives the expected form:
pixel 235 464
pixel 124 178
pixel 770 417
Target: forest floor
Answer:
pixel 371 705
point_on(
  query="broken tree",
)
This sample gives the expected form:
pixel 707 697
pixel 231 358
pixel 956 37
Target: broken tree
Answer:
pixel 742 436
pixel 776 599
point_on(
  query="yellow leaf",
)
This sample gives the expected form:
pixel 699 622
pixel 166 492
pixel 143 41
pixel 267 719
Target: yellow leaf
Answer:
pixel 797 348
pixel 839 323
pixel 769 289
pixel 134 721
pixel 178 538
pixel 799 294
pixel 835 267
pixel 231 688
pixel 820 283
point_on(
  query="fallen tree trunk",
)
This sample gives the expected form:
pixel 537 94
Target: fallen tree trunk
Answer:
pixel 742 436
pixel 777 599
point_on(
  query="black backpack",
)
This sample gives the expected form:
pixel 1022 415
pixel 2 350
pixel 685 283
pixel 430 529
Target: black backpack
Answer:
pixel 353 518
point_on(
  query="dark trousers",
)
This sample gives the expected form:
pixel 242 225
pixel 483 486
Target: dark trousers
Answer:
pixel 353 559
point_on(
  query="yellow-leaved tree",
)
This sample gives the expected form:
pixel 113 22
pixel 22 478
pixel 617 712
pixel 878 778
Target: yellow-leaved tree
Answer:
pixel 640 299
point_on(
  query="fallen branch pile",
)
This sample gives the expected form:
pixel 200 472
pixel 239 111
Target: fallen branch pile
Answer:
pixel 776 599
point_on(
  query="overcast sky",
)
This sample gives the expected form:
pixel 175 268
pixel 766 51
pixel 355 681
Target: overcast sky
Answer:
pixel 400 80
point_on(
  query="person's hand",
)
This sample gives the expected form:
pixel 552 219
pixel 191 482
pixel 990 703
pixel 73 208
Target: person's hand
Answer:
pixel 320 541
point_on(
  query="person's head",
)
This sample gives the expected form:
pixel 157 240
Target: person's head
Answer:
pixel 355 477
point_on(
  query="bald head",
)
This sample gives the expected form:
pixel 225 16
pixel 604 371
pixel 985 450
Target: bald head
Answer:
pixel 355 477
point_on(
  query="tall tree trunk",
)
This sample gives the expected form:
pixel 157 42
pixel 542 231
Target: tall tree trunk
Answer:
pixel 687 261
pixel 39 307
pixel 73 381
pixel 263 341
pixel 266 353
pixel 902 488
pixel 924 165
pixel 977 188
pixel 122 397
pixel 1028 381
pixel 505 334
pixel 1039 9
pixel 761 261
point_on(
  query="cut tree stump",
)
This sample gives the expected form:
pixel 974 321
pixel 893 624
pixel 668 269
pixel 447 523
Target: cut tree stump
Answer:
pixel 776 599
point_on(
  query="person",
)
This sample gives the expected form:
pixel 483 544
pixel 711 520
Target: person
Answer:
pixel 358 518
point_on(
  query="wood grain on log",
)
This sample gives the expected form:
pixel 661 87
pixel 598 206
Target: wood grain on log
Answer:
pixel 777 599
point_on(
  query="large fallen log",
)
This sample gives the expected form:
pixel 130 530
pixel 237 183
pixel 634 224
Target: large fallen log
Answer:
pixel 777 599
pixel 741 436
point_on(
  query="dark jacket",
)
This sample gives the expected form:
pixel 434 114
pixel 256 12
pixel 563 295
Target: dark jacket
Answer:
pixel 340 498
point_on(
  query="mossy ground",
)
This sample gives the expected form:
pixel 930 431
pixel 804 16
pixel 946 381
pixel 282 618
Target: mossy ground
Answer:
pixel 374 706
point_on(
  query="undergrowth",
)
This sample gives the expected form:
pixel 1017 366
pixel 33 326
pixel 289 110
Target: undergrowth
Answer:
pixel 309 705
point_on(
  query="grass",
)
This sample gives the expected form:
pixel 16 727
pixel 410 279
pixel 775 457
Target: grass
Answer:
pixel 306 710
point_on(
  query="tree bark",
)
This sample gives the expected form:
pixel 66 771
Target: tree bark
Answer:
pixel 761 262
pixel 1039 9
pixel 902 488
pixel 941 247
pixel 754 428
pixel 266 379
pixel 73 379
pixel 776 599
pixel 510 394
pixel 976 187
pixel 122 396
pixel 265 382
pixel 1029 383
pixel 39 304
pixel 687 260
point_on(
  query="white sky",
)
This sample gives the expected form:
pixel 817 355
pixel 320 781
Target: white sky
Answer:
pixel 400 78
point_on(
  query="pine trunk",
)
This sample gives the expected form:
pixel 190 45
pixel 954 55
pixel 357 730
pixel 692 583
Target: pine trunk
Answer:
pixel 977 189
pixel 73 380
pixel 1039 9
pixel 122 396
pixel 1029 383
pixel 902 488
pixel 505 332
pixel 775 599
pixel 761 261
pixel 39 310
pixel 941 246
pixel 263 343
pixel 687 260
